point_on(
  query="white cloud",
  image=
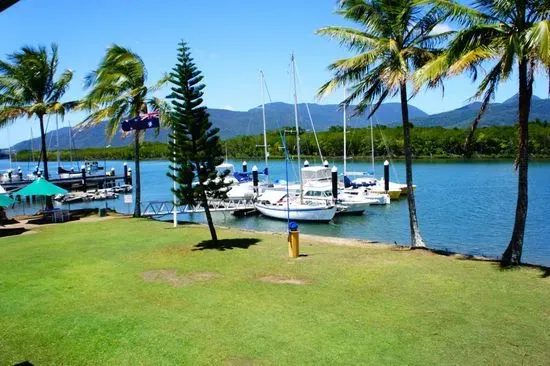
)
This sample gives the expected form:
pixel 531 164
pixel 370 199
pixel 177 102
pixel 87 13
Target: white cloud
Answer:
pixel 441 28
pixel 229 107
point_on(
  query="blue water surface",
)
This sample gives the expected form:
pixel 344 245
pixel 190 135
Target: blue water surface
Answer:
pixel 466 207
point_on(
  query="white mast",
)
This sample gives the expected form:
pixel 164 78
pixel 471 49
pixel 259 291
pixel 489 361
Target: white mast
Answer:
pixel 297 130
pixel 345 137
pixel 57 139
pixel 32 148
pixel 266 153
pixel 372 146
pixel 71 143
pixel 9 144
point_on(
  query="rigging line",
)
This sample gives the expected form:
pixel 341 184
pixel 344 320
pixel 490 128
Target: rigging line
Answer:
pixel 389 152
pixel 310 118
pixel 270 101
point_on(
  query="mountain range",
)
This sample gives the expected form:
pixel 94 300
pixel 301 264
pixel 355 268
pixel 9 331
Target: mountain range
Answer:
pixel 234 123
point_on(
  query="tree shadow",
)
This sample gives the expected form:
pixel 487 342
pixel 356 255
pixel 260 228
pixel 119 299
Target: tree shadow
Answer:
pixel 496 263
pixel 227 244
pixel 12 231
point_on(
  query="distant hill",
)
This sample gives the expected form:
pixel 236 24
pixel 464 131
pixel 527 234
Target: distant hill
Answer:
pixel 232 123
pixel 497 114
pixel 235 123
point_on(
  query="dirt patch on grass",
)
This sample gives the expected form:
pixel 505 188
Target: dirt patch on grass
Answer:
pixel 243 362
pixel 171 277
pixel 284 280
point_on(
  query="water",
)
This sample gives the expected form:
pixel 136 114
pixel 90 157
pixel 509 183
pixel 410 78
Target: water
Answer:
pixel 466 207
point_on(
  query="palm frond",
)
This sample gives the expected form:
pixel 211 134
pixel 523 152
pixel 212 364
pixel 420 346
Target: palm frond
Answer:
pixel 352 38
pixel 538 40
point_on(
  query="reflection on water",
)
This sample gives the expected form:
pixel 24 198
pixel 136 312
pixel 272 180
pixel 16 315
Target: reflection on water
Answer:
pixel 462 206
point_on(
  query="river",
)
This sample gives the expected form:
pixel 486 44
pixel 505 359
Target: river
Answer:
pixel 466 207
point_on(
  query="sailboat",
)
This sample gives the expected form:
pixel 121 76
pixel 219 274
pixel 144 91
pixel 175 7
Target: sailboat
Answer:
pixel 282 205
pixel 244 187
pixel 364 191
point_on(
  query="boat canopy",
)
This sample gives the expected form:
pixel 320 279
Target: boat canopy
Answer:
pixel 225 166
pixel 316 173
pixel 272 196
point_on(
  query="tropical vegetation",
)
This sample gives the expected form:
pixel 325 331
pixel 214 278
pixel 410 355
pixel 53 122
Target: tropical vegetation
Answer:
pixel 508 35
pixel 30 86
pixel 396 37
pixel 118 91
pixel 426 143
pixel 195 144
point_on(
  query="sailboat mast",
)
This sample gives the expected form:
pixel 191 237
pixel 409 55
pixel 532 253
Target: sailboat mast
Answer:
pixel 71 143
pixel 57 139
pixel 9 144
pixel 32 148
pixel 297 130
pixel 345 136
pixel 372 146
pixel 266 153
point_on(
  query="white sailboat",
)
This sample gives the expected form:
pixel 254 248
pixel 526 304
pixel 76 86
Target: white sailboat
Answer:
pixel 360 193
pixel 281 205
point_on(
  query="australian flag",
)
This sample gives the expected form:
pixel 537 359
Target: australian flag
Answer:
pixel 141 122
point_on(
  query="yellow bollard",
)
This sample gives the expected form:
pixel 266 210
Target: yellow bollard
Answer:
pixel 294 244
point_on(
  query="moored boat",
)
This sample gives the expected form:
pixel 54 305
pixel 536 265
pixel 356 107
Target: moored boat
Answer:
pixel 278 205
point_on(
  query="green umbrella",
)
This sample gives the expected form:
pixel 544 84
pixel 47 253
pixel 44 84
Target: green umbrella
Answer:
pixel 5 201
pixel 41 187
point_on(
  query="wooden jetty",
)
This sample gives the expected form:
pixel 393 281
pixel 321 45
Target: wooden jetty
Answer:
pixel 74 184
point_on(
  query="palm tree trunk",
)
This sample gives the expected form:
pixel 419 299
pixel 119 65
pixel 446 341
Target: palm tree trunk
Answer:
pixel 137 177
pixel 43 140
pixel 3 216
pixel 416 238
pixel 512 254
pixel 470 138
pixel 209 217
pixel 49 201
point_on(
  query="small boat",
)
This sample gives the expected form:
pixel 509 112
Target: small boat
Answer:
pixel 278 205
pixel 123 188
pixel 366 194
pixel 64 173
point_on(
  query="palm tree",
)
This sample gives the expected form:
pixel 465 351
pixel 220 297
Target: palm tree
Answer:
pixel 509 33
pixel 119 91
pixel 28 88
pixel 396 38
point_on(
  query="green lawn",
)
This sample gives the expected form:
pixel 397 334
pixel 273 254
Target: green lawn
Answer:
pixel 87 293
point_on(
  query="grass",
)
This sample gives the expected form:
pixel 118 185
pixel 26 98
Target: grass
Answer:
pixel 75 293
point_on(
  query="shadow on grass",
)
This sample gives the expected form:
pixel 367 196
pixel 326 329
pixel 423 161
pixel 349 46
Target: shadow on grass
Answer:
pixel 12 231
pixel 495 262
pixel 227 244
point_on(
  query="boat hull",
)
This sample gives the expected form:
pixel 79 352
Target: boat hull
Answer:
pixel 352 208
pixel 323 213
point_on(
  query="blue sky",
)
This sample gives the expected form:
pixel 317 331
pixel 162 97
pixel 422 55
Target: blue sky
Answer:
pixel 230 41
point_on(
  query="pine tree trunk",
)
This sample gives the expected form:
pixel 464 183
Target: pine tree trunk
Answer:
pixel 49 201
pixel 416 238
pixel 137 176
pixel 209 218
pixel 512 254
pixel 3 216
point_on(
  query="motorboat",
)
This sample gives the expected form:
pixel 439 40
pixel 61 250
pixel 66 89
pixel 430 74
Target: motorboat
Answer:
pixel 365 194
pixel 371 183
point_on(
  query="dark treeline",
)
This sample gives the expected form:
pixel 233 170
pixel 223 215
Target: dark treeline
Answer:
pixel 148 150
pixel 427 142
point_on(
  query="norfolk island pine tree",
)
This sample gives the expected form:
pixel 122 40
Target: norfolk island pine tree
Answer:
pixel 197 149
